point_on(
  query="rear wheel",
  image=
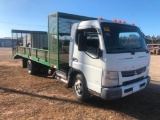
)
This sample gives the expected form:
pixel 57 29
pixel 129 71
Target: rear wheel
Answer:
pixel 79 88
pixel 31 67
pixel 24 63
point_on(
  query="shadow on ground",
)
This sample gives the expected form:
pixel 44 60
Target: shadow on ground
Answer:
pixel 141 105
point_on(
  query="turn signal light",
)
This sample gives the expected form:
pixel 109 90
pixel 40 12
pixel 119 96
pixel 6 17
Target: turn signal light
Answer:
pixel 119 21
pixel 114 20
pixel 133 24
pixel 123 21
pixel 100 18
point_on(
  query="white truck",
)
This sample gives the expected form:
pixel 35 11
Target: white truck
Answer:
pixel 105 58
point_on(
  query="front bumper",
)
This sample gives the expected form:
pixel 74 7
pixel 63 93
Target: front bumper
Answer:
pixel 122 91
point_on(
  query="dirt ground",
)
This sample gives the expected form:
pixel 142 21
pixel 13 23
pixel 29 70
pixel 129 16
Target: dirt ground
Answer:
pixel 23 96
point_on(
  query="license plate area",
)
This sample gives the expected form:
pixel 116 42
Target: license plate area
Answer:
pixel 129 89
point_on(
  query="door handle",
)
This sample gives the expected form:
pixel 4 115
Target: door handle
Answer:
pixel 75 59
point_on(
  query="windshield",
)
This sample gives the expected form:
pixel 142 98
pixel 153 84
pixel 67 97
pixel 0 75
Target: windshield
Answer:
pixel 120 38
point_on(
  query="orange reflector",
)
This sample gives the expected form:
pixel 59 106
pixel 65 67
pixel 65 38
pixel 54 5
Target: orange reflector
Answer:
pixel 114 20
pixel 100 18
pixel 52 66
pixel 107 74
pixel 133 24
pixel 119 21
pixel 123 21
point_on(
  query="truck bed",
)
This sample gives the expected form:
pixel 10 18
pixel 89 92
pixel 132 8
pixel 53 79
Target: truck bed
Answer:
pixel 34 54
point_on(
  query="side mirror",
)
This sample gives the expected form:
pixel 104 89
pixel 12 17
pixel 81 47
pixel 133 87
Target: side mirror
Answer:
pixel 81 42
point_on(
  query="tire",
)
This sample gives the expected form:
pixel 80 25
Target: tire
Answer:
pixel 31 67
pixel 80 89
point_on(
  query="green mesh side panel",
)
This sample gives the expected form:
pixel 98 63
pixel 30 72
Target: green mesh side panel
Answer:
pixel 59 35
pixel 53 40
pixel 64 51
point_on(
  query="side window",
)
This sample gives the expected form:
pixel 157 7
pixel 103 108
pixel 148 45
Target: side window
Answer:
pixel 92 40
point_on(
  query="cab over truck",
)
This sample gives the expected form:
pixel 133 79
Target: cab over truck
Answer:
pixel 93 56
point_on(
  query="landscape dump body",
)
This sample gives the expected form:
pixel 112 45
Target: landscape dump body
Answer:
pixel 50 49
pixel 93 56
pixel 31 45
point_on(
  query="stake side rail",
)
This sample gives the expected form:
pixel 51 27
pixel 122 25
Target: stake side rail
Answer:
pixel 34 54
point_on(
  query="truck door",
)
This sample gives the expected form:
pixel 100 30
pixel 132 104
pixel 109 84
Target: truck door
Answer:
pixel 87 60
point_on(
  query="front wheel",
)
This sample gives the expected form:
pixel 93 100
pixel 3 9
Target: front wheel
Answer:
pixel 79 88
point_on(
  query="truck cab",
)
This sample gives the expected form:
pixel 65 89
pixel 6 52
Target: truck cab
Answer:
pixel 109 59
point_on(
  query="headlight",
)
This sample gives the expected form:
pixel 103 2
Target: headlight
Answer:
pixel 110 79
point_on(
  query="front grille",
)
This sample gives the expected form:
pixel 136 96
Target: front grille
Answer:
pixel 133 81
pixel 133 72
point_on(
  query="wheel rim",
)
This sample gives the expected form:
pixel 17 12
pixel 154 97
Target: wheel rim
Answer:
pixel 78 87
pixel 29 67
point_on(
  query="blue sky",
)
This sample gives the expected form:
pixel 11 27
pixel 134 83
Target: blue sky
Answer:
pixel 33 14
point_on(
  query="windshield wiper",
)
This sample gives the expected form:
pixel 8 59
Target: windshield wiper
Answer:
pixel 147 51
pixel 121 47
